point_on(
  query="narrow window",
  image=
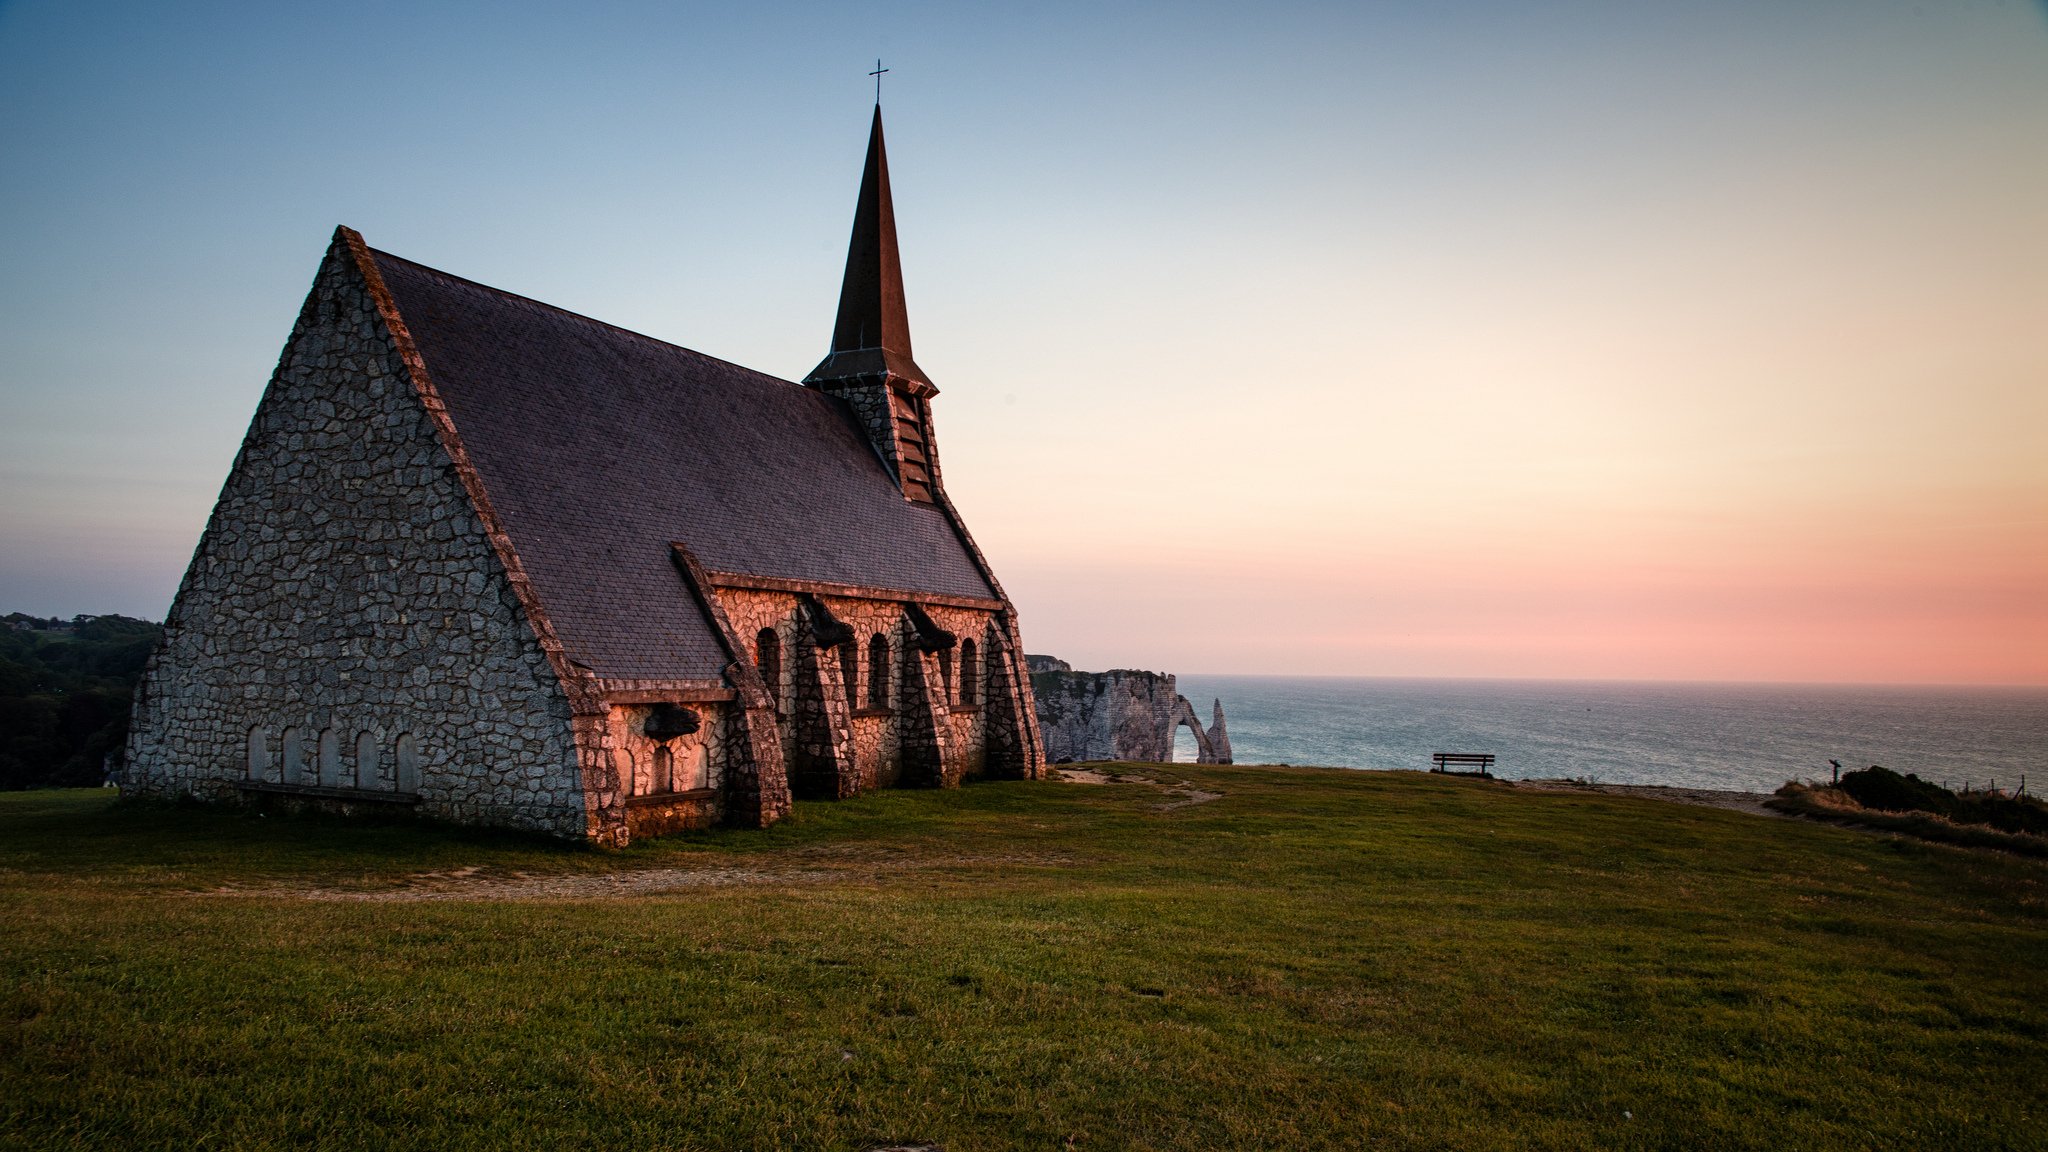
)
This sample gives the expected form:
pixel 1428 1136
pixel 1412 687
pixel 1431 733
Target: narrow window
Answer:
pixel 259 755
pixel 849 670
pixel 294 757
pixel 690 771
pixel 628 770
pixel 407 756
pixel 768 658
pixel 664 768
pixel 878 671
pixel 368 771
pixel 946 674
pixel 970 672
pixel 330 758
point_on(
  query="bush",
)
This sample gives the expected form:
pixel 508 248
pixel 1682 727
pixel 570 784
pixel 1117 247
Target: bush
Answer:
pixel 64 696
pixel 1824 802
pixel 1887 791
pixel 1876 789
pixel 2007 813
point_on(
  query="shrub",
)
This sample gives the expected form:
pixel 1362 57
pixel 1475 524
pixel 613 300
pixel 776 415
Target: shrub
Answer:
pixel 1887 791
pixel 64 696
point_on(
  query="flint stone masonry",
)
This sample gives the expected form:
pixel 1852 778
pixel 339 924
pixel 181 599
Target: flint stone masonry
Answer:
pixel 346 598
pixel 1122 714
pixel 925 734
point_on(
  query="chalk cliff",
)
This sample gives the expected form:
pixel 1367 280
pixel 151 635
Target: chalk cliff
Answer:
pixel 1122 714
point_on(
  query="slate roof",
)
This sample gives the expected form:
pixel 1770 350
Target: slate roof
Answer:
pixel 598 446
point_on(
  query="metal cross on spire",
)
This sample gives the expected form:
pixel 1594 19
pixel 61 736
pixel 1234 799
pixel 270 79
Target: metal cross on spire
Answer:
pixel 877 74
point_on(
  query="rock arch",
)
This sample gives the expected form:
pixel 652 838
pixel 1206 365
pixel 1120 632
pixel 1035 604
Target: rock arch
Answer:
pixel 1184 713
pixel 1122 714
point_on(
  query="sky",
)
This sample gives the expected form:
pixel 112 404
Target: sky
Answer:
pixel 1697 341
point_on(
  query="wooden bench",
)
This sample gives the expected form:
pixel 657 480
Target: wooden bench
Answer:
pixel 1483 761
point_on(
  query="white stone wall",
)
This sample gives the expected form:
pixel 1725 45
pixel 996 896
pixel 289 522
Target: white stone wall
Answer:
pixel 345 588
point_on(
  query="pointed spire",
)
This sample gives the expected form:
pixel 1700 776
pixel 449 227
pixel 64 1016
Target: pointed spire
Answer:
pixel 872 336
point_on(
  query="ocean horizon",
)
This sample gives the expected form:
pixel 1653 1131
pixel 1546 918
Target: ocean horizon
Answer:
pixel 1746 736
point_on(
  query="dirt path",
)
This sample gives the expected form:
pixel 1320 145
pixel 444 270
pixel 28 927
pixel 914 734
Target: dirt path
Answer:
pixel 1183 793
pixel 848 864
pixel 464 884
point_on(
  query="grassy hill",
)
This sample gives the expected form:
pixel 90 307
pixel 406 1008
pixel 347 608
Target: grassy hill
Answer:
pixel 1314 959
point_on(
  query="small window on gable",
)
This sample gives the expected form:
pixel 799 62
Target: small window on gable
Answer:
pixel 259 755
pixel 664 769
pixel 970 672
pixel 768 658
pixel 294 748
pixel 849 670
pixel 330 758
pixel 878 671
pixel 368 771
pixel 406 757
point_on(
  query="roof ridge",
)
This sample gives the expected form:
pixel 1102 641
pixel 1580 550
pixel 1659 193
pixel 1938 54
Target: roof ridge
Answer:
pixel 496 291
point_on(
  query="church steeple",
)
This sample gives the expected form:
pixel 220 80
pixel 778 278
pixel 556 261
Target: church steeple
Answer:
pixel 872 335
pixel 869 365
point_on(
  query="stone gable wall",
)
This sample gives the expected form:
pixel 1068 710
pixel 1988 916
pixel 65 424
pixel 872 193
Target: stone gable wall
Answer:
pixel 345 596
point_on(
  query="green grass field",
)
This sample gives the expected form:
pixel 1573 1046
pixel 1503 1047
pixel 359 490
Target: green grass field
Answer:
pixel 1316 959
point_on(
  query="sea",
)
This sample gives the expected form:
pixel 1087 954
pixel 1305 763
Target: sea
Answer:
pixel 1745 737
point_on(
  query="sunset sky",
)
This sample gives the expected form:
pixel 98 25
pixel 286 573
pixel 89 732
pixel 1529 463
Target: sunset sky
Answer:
pixel 1615 340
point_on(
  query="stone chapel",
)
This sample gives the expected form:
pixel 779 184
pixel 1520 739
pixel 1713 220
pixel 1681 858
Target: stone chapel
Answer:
pixel 501 564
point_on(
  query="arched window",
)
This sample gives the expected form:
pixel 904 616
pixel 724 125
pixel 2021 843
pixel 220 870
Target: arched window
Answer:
pixel 294 757
pixel 768 658
pixel 849 670
pixel 664 768
pixel 627 767
pixel 259 755
pixel 368 771
pixel 970 672
pixel 407 756
pixel 330 758
pixel 687 770
pixel 878 671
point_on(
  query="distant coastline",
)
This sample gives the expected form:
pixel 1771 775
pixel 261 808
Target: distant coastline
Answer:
pixel 1736 737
